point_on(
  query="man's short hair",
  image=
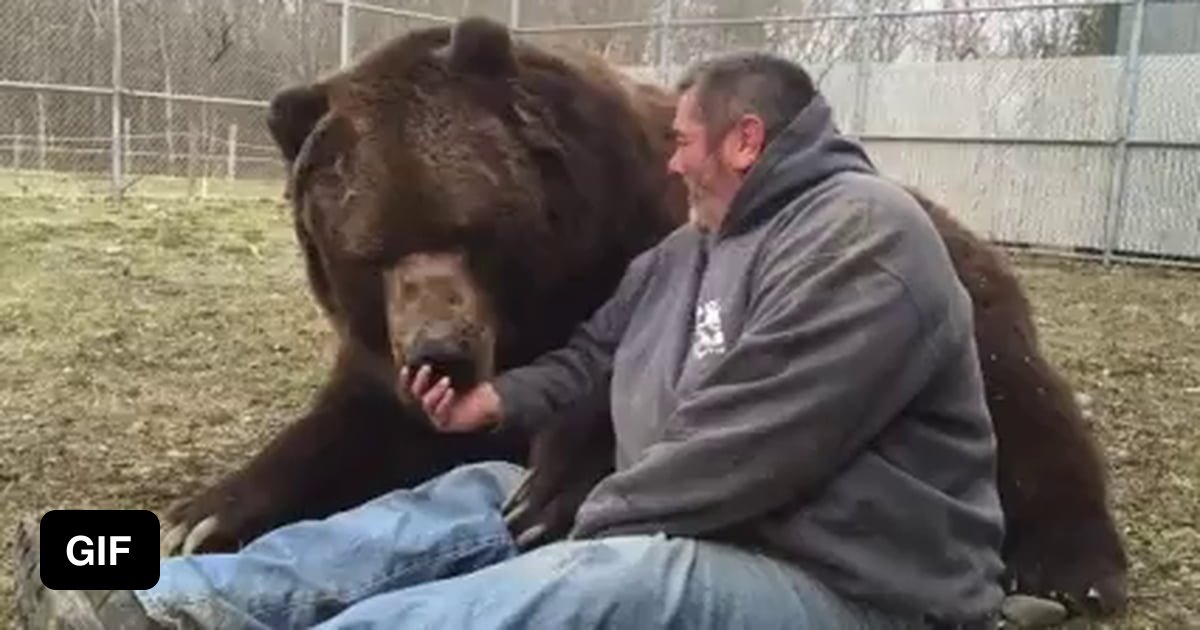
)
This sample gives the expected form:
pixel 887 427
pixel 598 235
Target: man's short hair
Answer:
pixel 771 87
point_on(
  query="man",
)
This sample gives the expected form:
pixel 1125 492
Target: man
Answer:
pixel 802 437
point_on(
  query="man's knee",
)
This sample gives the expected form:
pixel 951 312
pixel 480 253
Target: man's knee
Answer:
pixel 487 483
pixel 501 475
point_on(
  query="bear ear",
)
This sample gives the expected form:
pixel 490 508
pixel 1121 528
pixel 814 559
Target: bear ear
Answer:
pixel 293 114
pixel 482 47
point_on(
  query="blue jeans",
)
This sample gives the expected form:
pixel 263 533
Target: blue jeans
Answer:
pixel 440 556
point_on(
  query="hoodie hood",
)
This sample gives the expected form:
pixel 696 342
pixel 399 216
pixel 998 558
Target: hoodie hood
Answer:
pixel 808 150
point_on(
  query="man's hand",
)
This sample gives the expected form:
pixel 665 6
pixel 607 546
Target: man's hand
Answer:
pixel 474 410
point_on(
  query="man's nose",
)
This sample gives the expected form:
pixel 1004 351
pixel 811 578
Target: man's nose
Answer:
pixel 673 164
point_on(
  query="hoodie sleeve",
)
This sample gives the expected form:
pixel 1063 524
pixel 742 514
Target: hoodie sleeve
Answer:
pixel 573 381
pixel 834 346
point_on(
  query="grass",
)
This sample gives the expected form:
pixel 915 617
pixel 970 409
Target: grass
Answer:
pixel 28 183
pixel 148 346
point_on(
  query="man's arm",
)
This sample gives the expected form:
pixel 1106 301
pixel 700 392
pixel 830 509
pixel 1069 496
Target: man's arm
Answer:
pixel 834 347
pixel 574 379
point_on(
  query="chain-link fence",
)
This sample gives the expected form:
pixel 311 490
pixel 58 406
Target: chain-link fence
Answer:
pixel 1071 125
pixel 162 97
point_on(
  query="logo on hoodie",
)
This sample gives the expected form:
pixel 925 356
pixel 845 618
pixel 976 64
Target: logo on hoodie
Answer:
pixel 708 338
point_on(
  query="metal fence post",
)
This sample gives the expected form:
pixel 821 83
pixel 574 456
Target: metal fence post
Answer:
pixel 862 71
pixel 1127 116
pixel 664 42
pixel 116 101
pixel 344 35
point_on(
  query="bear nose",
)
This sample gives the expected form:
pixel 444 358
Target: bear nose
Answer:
pixel 446 357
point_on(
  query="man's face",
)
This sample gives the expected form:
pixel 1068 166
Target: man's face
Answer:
pixel 711 171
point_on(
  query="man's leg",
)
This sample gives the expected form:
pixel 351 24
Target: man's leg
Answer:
pixel 302 573
pixel 625 582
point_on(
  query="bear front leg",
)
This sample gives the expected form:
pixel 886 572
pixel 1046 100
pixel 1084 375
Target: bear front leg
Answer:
pixel 326 459
pixel 356 443
pixel 1062 541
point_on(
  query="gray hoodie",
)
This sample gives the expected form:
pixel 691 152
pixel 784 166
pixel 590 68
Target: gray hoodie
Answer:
pixel 804 381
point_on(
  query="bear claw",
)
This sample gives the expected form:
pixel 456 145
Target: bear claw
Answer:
pixel 532 537
pixel 518 498
pixel 200 533
pixel 1024 611
pixel 182 540
pixel 172 539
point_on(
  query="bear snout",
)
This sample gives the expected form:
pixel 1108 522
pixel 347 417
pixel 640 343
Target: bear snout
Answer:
pixel 447 357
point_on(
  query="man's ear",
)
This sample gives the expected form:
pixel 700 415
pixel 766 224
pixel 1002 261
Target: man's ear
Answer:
pixel 293 114
pixel 745 142
pixel 482 47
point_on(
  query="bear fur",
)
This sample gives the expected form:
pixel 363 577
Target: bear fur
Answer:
pixel 457 194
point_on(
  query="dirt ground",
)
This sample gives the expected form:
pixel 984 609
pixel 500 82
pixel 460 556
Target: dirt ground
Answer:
pixel 148 347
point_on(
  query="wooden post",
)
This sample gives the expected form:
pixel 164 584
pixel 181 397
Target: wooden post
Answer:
pixel 168 103
pixel 193 147
pixel 16 145
pixel 170 135
pixel 231 159
pixel 205 146
pixel 41 130
pixel 125 143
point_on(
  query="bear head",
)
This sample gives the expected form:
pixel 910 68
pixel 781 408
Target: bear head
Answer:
pixel 463 199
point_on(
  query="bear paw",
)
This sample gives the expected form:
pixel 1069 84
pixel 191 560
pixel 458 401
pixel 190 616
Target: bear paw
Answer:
pixel 1087 579
pixel 202 525
pixel 540 511
pixel 524 515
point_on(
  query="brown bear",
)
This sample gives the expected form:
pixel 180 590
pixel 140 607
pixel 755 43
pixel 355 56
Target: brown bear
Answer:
pixel 463 199
pixel 445 179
